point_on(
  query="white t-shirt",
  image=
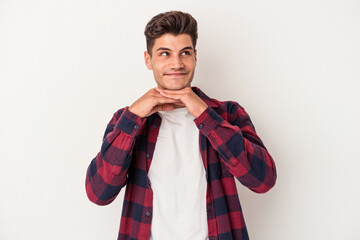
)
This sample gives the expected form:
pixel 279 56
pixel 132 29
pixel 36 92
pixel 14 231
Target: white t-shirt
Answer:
pixel 178 181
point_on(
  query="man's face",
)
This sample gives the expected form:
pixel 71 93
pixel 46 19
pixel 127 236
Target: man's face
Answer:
pixel 173 61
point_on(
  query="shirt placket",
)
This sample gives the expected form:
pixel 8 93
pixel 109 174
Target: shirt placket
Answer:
pixel 212 226
pixel 152 134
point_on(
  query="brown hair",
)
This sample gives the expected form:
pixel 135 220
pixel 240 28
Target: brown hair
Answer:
pixel 173 22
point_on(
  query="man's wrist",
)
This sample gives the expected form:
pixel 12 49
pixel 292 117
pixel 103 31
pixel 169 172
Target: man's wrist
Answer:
pixel 200 111
pixel 134 112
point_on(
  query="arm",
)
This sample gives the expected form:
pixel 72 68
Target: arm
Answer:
pixel 239 147
pixel 107 172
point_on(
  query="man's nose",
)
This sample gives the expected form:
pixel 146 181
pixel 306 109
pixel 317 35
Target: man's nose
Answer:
pixel 177 62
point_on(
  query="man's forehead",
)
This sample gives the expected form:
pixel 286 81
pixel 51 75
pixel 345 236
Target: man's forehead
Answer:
pixel 171 42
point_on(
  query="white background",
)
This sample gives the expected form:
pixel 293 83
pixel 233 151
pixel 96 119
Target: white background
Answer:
pixel 67 66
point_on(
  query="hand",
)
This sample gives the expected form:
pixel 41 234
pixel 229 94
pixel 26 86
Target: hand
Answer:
pixel 192 102
pixel 151 102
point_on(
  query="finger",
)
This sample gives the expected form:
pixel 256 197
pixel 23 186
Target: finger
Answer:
pixel 162 107
pixel 166 107
pixel 179 104
pixel 163 100
pixel 172 95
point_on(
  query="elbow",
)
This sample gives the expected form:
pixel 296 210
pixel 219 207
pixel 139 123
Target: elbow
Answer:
pixel 267 184
pixel 95 199
pixel 95 187
pixel 94 192
pixel 267 178
pixel 98 189
pixel 263 188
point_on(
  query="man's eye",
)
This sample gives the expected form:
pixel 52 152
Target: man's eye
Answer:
pixel 164 54
pixel 186 53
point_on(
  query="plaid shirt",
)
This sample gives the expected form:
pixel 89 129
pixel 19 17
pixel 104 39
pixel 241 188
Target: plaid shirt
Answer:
pixel 229 148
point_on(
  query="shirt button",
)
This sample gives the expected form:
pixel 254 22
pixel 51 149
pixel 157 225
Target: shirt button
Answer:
pixel 154 126
pixel 148 214
pixel 147 155
pixel 136 126
pixel 201 126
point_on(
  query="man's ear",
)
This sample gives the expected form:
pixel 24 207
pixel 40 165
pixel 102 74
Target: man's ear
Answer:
pixel 147 58
pixel 195 54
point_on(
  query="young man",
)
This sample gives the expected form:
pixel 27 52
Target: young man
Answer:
pixel 178 150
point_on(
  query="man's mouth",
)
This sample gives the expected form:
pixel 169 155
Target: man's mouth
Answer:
pixel 175 74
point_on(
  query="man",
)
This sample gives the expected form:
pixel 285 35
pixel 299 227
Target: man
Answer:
pixel 178 150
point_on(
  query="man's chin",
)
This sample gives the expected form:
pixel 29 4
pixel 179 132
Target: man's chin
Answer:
pixel 172 87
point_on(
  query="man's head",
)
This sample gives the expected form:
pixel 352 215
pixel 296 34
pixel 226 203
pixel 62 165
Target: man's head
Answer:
pixel 171 40
pixel 173 22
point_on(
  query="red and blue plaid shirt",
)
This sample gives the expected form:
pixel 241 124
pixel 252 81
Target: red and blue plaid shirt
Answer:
pixel 229 148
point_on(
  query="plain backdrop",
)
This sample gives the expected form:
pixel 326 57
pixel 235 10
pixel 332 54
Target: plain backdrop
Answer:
pixel 67 66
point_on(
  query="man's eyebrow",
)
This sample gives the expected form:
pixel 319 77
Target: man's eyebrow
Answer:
pixel 186 48
pixel 168 49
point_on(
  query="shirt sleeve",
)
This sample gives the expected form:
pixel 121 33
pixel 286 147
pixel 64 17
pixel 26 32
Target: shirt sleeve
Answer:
pixel 107 172
pixel 239 147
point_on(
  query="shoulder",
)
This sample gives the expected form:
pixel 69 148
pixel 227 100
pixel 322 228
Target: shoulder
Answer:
pixel 229 110
pixel 228 106
pixel 220 105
